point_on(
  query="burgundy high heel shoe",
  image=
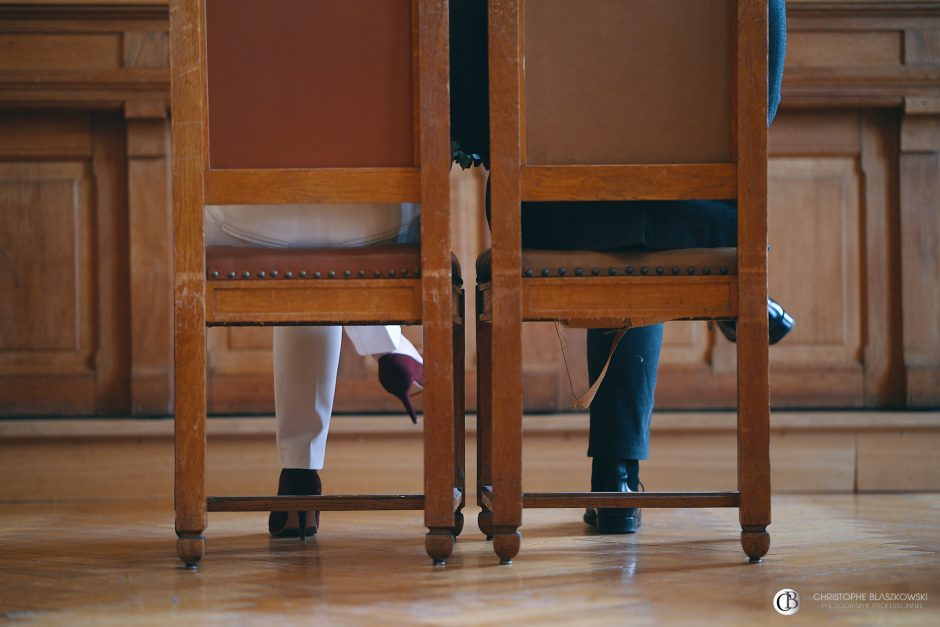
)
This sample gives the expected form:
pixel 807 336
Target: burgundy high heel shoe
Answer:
pixel 296 482
pixel 397 373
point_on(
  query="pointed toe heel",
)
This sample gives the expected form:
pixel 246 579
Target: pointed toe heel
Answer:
pixel 397 374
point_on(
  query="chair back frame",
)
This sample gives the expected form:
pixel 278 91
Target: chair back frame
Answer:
pixel 508 296
pixel 430 299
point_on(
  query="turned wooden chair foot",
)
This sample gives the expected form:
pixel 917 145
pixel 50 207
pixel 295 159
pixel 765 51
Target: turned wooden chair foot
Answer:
pixel 756 543
pixel 190 549
pixel 439 543
pixel 506 545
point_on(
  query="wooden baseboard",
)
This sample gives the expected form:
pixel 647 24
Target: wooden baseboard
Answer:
pixel 104 459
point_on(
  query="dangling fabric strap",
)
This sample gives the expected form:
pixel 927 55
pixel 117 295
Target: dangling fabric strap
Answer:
pixel 584 401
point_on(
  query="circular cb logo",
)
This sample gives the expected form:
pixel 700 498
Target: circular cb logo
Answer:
pixel 787 602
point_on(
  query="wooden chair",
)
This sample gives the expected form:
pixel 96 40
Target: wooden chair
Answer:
pixel 656 124
pixel 304 101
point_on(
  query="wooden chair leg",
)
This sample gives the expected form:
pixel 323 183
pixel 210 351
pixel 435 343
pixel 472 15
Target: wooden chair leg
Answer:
pixel 484 414
pixel 190 433
pixel 506 435
pixel 460 437
pixel 754 434
pixel 439 453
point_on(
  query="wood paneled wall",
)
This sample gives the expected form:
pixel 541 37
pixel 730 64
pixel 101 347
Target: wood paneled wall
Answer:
pixel 85 293
pixel 85 296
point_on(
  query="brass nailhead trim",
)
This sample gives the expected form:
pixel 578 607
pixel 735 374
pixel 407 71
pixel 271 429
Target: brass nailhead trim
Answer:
pixel 628 271
pixel 528 272
pixel 303 274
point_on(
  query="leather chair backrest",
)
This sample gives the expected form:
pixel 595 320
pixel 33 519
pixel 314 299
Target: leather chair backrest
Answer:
pixel 310 83
pixel 628 81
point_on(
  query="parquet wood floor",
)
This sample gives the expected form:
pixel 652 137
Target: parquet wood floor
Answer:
pixel 109 563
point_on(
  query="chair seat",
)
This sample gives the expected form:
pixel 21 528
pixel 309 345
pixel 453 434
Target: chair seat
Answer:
pixel 398 261
pixel 586 263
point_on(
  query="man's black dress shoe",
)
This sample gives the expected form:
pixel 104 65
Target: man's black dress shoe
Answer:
pixel 780 323
pixel 296 482
pixel 610 475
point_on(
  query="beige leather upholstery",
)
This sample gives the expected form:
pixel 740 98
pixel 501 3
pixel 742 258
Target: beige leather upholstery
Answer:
pixel 585 59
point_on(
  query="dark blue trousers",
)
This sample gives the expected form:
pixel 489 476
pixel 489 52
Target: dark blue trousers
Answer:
pixel 623 406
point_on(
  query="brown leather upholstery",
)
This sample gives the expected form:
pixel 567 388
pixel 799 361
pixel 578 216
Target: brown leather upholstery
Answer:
pixel 300 84
pixel 586 263
pixel 225 263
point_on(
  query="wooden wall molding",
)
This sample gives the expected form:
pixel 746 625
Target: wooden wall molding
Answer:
pixel 109 11
pixel 59 54
pixel 878 53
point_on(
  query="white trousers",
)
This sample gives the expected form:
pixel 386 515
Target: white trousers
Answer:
pixel 306 359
